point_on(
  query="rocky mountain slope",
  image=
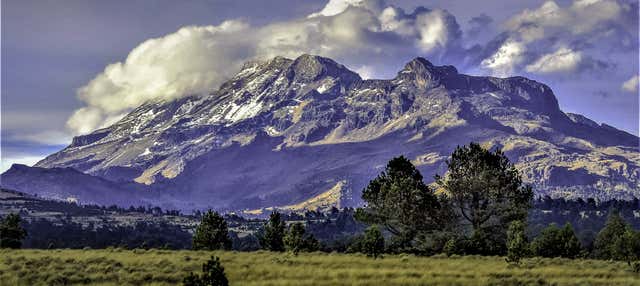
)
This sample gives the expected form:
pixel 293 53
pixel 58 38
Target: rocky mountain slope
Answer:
pixel 283 131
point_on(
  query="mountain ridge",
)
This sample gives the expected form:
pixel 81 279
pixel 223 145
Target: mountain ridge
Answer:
pixel 261 119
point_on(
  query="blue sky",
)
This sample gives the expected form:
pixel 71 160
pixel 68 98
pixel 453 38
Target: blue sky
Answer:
pixel 70 67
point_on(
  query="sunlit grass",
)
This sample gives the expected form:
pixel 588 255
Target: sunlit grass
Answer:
pixel 164 267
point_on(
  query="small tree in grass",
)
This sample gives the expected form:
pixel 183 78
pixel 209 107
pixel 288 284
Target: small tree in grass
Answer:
pixel 517 244
pixel 557 242
pixel 212 275
pixel 11 233
pixel 373 242
pixel 297 239
pixel 272 238
pixel 212 233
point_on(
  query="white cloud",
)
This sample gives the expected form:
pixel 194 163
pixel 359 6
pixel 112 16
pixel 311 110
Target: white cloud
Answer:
pixel 631 85
pixel 504 61
pixel 560 39
pixel 196 59
pixel 562 60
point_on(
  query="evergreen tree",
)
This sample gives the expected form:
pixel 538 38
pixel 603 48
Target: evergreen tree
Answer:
pixel 212 275
pixel 487 193
pixel 605 242
pixel 272 238
pixel 373 242
pixel 400 201
pixel 11 232
pixel 517 244
pixel 556 242
pixel 296 239
pixel 212 233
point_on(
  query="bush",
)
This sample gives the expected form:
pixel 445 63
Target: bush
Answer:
pixel 517 244
pixel 556 242
pixel 272 238
pixel 212 275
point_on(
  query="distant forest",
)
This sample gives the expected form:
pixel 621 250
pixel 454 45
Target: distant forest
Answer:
pixel 334 229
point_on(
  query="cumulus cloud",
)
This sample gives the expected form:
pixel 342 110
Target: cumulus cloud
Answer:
pixel 562 60
pixel 365 35
pixel 631 85
pixel 564 39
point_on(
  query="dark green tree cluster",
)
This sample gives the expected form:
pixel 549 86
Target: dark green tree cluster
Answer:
pixel 212 275
pixel 557 242
pixel 617 240
pixel 480 196
pixel 517 242
pixel 212 233
pixel 297 240
pixel 11 232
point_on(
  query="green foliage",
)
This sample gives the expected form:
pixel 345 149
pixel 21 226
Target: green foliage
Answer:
pixel 373 242
pixel 557 242
pixel 212 233
pixel 272 238
pixel 487 193
pixel 297 240
pixel 517 244
pixel 212 275
pixel 617 240
pixel 11 232
pixel 400 201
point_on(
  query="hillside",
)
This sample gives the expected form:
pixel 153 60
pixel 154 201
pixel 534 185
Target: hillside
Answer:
pixel 283 131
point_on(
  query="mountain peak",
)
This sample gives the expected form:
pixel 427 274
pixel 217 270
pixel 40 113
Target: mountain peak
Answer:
pixel 309 68
pixel 425 74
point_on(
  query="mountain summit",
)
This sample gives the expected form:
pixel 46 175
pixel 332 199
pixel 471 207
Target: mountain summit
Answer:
pixel 282 132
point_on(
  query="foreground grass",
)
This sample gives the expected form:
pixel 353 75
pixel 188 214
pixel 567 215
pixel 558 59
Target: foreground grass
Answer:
pixel 164 267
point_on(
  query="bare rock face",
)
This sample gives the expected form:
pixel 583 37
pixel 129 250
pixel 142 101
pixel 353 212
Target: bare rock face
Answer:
pixel 283 131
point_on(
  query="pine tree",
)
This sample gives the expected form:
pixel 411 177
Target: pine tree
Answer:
pixel 605 243
pixel 272 238
pixel 212 233
pixel 212 275
pixel 11 232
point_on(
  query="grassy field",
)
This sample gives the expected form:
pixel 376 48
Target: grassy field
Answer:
pixel 164 267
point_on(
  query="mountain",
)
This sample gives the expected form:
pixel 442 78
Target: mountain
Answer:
pixel 282 131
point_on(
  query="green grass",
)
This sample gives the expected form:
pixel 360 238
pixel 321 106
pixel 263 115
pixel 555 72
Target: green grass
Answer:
pixel 164 267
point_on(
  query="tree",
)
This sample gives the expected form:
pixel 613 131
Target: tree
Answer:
pixel 212 275
pixel 296 239
pixel 212 233
pixel 400 201
pixel 272 238
pixel 605 243
pixel 517 244
pixel 373 242
pixel 556 242
pixel 11 232
pixel 487 194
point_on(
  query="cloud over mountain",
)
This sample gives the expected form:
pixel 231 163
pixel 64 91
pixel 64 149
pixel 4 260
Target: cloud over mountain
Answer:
pixel 369 36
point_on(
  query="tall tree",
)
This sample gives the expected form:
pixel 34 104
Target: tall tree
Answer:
pixel 486 191
pixel 272 238
pixel 212 233
pixel 401 202
pixel 11 232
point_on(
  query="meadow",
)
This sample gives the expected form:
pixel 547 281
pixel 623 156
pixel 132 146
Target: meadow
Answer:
pixel 167 267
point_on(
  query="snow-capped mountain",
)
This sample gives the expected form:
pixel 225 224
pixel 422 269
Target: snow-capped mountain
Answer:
pixel 283 131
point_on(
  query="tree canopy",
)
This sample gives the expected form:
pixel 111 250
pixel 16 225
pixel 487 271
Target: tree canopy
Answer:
pixel 11 232
pixel 273 236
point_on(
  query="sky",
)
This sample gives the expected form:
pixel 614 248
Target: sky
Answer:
pixel 70 67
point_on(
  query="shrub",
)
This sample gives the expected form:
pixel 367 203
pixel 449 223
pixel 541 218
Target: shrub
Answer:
pixel 373 242
pixel 297 239
pixel 517 244
pixel 556 242
pixel 212 275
